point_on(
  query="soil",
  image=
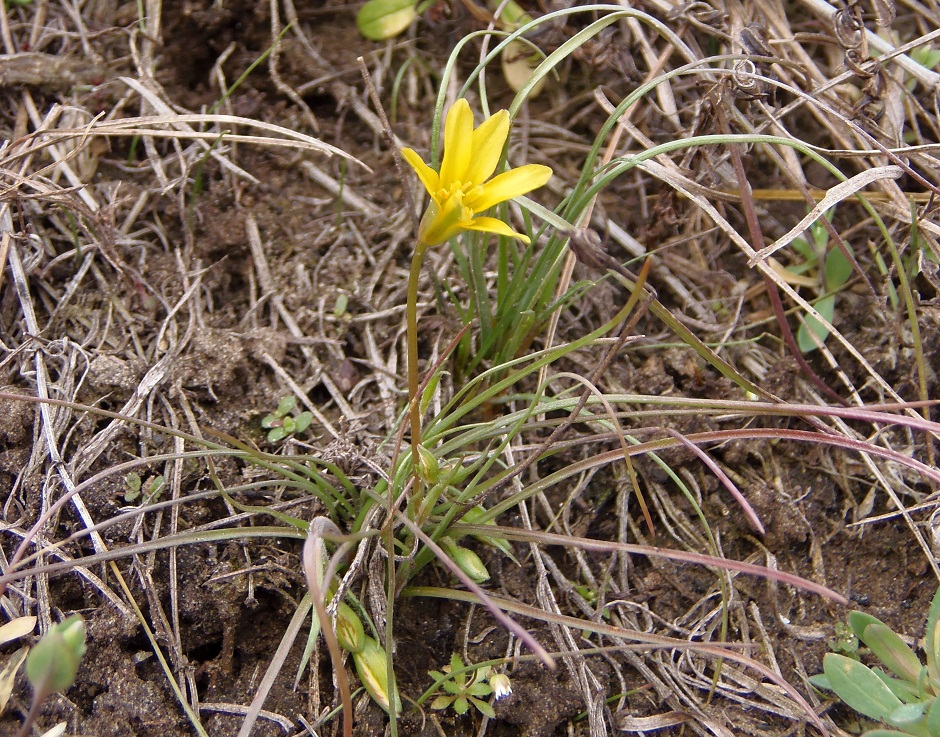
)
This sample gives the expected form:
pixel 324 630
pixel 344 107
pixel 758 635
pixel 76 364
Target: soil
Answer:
pixel 155 304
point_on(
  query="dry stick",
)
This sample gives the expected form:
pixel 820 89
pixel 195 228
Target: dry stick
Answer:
pixel 389 140
pixel 649 551
pixel 757 238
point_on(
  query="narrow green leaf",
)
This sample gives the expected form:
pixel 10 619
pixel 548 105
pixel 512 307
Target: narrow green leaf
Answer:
pixel 858 621
pixel 825 306
pixel 891 650
pixel 933 717
pixel 484 708
pixel 932 645
pixel 838 269
pixel 859 687
pixel 905 690
pixel 907 717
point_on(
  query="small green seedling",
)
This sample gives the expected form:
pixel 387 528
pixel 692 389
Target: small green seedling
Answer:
pixel 926 56
pixel 463 689
pixel 152 488
pixel 835 271
pixel 282 424
pixel 904 699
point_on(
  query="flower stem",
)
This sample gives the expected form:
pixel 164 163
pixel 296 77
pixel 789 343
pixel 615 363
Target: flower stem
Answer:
pixel 411 314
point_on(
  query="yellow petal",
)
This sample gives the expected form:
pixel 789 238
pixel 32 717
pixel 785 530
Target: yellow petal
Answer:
pixel 458 142
pixel 444 220
pixel 488 142
pixel 426 174
pixel 494 225
pixel 509 184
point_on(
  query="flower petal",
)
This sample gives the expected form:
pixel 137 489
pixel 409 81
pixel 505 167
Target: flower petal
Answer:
pixel 494 225
pixel 488 142
pixel 444 219
pixel 427 175
pixel 458 142
pixel 507 185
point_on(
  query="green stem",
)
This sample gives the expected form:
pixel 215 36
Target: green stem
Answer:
pixel 411 313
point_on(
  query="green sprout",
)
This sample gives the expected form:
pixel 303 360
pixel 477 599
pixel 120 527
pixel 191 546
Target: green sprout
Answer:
pixel 926 56
pixel 152 488
pixel 905 698
pixel 282 424
pixel 463 690
pixel 835 269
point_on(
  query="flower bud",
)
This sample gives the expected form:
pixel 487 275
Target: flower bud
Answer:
pixel 53 663
pixel 428 468
pixel 466 560
pixel 501 685
pixel 372 666
pixel 349 630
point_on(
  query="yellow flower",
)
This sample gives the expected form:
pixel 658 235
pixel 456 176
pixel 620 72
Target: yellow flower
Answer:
pixel 461 189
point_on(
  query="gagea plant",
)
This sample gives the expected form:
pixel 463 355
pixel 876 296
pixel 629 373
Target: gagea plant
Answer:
pixel 905 698
pixel 463 189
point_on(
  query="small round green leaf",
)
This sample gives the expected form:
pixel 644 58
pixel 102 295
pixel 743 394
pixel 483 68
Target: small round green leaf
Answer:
pixel 381 19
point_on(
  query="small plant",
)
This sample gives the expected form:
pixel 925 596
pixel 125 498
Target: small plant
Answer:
pixel 152 488
pixel 465 687
pixel 926 56
pixel 907 701
pixel 282 424
pixel 834 271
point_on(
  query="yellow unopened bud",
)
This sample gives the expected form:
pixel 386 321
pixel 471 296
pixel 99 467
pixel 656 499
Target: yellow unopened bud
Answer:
pixel 349 630
pixel 372 666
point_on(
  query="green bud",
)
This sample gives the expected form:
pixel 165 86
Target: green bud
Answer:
pixel 372 666
pixel 53 663
pixel 428 468
pixel 349 629
pixel 467 561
